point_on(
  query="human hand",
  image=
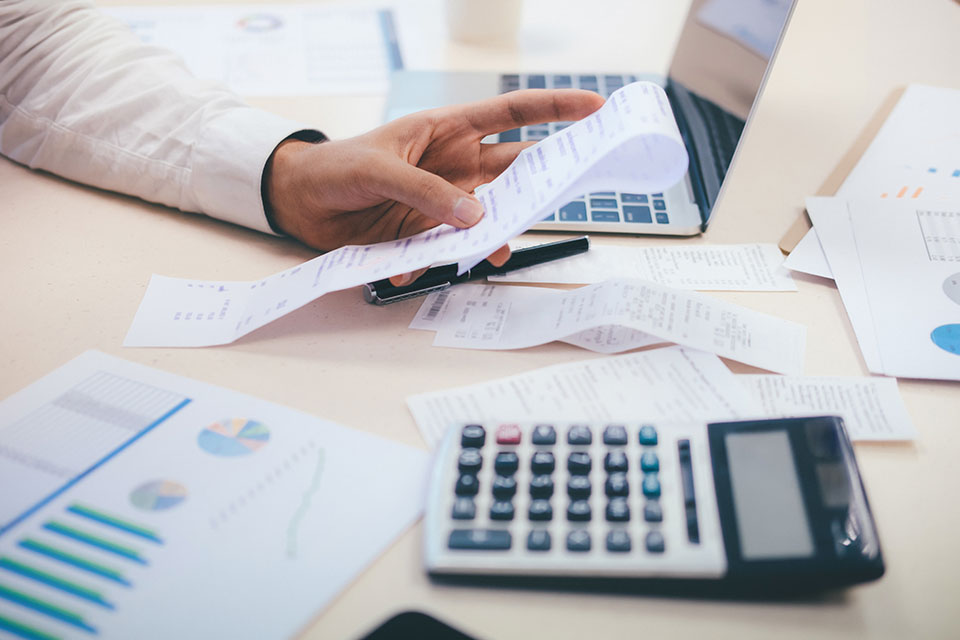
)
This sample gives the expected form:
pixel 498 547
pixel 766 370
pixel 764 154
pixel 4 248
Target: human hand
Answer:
pixel 408 175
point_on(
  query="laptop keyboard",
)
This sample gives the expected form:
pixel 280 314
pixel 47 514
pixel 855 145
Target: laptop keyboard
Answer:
pixel 604 206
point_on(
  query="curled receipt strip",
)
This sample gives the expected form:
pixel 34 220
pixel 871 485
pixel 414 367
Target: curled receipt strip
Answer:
pixel 631 143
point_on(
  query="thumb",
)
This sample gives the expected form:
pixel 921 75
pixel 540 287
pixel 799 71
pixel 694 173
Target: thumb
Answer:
pixel 428 193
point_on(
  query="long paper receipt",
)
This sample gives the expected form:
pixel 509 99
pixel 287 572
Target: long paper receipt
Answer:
pixel 610 317
pixel 631 143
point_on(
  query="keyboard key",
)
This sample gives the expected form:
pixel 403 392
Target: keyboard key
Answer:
pixel 634 197
pixel 613 80
pixel 659 205
pixel 538 133
pixel 551 217
pixel 575 211
pixel 578 487
pixel 544 434
pixel 537 81
pixel 501 510
pixel 618 510
pixel 542 462
pixel 651 485
pixel 538 540
pixel 540 510
pixel 513 135
pixel 589 83
pixel 648 435
pixel 618 541
pixel 480 539
pixel 579 463
pixel 504 487
pixel 464 509
pixel 655 542
pixel 510 82
pixel 508 434
pixel 562 82
pixel 578 540
pixel 615 434
pixel 617 484
pixel 579 511
pixel 604 193
pixel 473 435
pixel 615 461
pixel 541 486
pixel 467 485
pixel 662 218
pixel 506 463
pixel 579 434
pixel 603 203
pixel 657 195
pixel 652 511
pixel 469 461
pixel 603 215
pixel 637 213
pixel 649 462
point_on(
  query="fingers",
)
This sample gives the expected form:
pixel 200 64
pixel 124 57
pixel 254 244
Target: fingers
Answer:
pixel 499 257
pixel 532 106
pixel 426 192
pixel 404 279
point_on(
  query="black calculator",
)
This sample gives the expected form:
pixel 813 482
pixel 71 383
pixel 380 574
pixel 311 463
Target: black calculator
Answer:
pixel 752 503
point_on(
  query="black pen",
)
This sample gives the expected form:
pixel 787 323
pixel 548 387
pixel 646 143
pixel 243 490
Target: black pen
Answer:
pixel 439 278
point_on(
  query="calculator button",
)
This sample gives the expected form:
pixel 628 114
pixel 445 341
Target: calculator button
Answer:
pixel 655 542
pixel 615 461
pixel 480 539
pixel 473 435
pixel 579 463
pixel 659 205
pixel 506 463
pixel 540 510
pixel 469 461
pixel 579 434
pixel 615 434
pixel 618 510
pixel 504 487
pixel 618 541
pixel 542 462
pixel 541 486
pixel 617 485
pixel 649 462
pixel 501 510
pixel 538 540
pixel 467 485
pixel 578 487
pixel 651 485
pixel 579 511
pixel 648 435
pixel 464 509
pixel 508 434
pixel 578 540
pixel 544 434
pixel 652 511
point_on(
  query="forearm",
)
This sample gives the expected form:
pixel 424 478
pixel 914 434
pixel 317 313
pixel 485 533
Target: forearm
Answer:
pixel 80 96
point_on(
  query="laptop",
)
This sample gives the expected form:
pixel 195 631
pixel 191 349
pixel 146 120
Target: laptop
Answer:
pixel 716 75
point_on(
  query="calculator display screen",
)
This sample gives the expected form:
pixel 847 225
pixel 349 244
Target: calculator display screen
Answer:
pixel 767 497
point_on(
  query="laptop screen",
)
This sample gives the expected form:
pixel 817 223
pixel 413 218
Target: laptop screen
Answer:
pixel 716 74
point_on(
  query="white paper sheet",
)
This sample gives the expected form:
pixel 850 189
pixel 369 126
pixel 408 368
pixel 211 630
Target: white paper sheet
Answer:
pixel 734 267
pixel 910 260
pixel 871 408
pixel 613 316
pixel 632 140
pixel 276 49
pixel 915 156
pixel 756 24
pixel 672 384
pixel 250 516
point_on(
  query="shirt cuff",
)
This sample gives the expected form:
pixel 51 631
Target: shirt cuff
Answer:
pixel 228 163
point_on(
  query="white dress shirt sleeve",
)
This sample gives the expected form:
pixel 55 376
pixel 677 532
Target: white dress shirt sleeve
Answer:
pixel 81 97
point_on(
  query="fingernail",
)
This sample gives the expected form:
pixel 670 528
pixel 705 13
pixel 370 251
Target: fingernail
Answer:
pixel 404 279
pixel 468 210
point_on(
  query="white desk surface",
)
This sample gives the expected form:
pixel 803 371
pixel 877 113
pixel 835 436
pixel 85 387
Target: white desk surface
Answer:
pixel 75 262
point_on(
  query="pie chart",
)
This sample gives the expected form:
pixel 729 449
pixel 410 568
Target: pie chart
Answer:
pixel 158 495
pixel 232 437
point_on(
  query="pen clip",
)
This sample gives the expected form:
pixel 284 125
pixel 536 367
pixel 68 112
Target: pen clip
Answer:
pixel 371 295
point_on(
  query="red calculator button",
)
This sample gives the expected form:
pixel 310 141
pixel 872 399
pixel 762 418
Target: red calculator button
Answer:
pixel 508 434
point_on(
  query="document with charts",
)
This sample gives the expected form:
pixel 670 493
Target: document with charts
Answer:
pixel 148 505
